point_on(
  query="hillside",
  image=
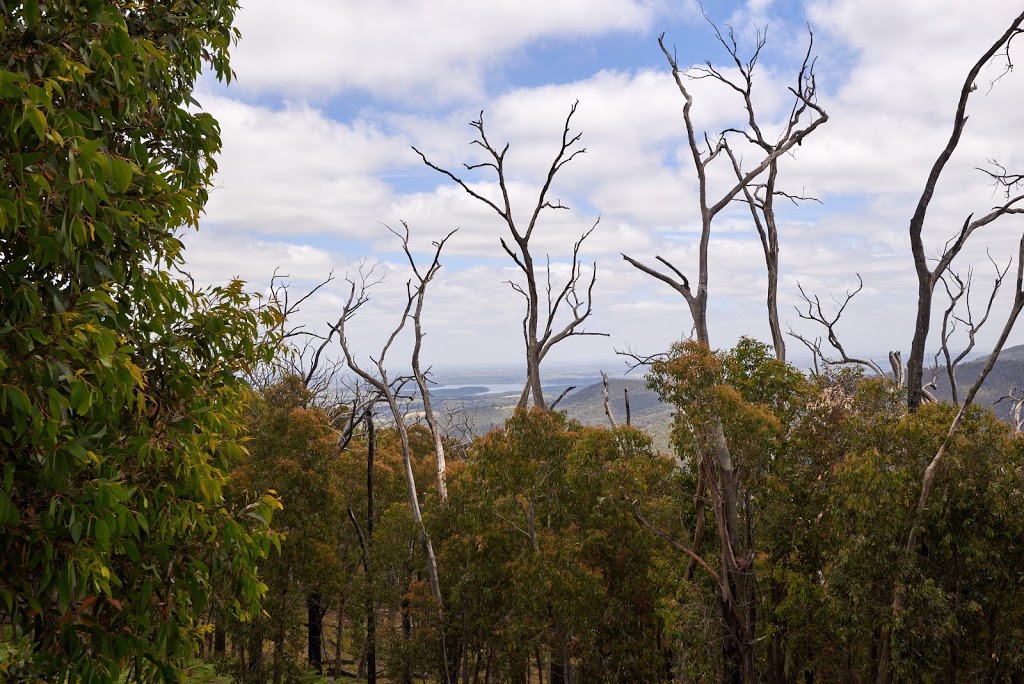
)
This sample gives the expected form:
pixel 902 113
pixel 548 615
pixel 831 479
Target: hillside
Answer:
pixel 1006 374
pixel 646 410
pixel 480 410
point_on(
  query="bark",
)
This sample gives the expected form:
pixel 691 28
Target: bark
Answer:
pixel 607 405
pixel 404 609
pixel 560 669
pixel 699 506
pixel 219 634
pixel 737 571
pixel 255 655
pixel 421 378
pixel 928 479
pixel 386 391
pixel 366 553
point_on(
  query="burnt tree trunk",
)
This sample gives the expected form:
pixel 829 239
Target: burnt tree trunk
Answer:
pixel 371 612
pixel 219 634
pixel 315 631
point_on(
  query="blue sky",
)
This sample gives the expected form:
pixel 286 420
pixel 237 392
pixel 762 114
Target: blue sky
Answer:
pixel 330 96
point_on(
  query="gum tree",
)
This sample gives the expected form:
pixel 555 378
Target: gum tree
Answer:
pixel 120 398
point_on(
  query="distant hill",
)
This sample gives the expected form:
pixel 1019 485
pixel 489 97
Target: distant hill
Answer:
pixel 650 414
pixel 1006 374
pixel 646 410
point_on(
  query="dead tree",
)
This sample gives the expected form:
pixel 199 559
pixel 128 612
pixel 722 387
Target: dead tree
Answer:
pixel 718 474
pixel 366 544
pixel 806 117
pixel 760 197
pixel 816 313
pixel 422 280
pixel 928 479
pixel 928 277
pixel 388 389
pixel 1016 401
pixel 299 350
pixel 607 405
pixel 542 328
pixel 959 291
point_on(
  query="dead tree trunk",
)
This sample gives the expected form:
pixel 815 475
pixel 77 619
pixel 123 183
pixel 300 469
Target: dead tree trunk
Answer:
pixel 928 480
pixel 315 642
pixel 607 405
pixel 928 278
pixel 366 554
pixel 423 279
pixel 387 389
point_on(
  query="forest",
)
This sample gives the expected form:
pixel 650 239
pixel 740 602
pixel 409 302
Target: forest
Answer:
pixel 197 487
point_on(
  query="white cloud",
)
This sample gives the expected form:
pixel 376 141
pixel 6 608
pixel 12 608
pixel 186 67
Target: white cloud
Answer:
pixel 303 191
pixel 409 48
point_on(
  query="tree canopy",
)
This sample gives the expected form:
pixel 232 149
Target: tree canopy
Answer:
pixel 119 379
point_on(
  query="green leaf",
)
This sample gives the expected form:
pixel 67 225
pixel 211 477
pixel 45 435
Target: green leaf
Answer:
pixel 10 84
pixel 121 173
pixel 30 9
pixel 102 534
pixel 18 399
pixel 80 399
pixel 37 120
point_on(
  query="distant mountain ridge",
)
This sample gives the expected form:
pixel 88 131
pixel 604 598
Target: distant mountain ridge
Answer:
pixel 485 410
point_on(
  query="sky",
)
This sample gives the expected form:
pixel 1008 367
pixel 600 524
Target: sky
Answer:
pixel 330 97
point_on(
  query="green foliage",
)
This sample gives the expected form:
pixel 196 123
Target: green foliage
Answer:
pixel 831 475
pixel 538 548
pixel 752 393
pixel 293 452
pixel 836 518
pixel 120 402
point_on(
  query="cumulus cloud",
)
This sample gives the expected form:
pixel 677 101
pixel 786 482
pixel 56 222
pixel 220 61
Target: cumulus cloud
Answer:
pixel 306 188
pixel 405 49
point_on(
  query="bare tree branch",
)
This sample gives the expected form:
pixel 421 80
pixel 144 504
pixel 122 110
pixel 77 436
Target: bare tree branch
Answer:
pixel 607 406
pixel 950 318
pixel 928 278
pixel 805 117
pixel 542 328
pixel 388 389
pixel 816 314
pixel 419 293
